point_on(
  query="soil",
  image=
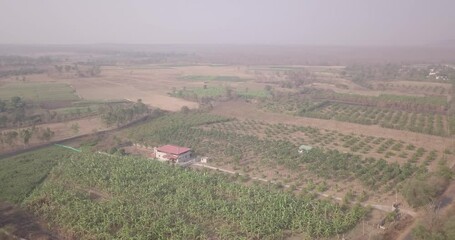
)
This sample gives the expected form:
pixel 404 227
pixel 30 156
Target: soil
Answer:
pixel 149 82
pixel 18 224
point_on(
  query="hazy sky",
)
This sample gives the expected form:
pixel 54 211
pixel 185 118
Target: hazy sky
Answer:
pixel 315 22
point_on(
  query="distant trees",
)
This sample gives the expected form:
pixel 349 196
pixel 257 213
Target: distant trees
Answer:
pixel 46 134
pixel 121 114
pixel 78 70
pixel 12 110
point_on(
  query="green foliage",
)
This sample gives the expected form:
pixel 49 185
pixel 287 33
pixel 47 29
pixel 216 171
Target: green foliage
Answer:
pixel 20 174
pixel 122 113
pixel 213 78
pixel 187 130
pixel 421 190
pixel 418 114
pixel 46 134
pixel 39 91
pixel 218 91
pixel 443 231
pixel 144 199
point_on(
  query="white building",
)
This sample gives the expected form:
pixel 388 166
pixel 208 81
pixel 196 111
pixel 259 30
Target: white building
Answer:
pixel 172 153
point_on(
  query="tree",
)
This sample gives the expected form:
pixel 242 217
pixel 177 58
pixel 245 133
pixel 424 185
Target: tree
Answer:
pixel 47 134
pixel 75 128
pixel 228 92
pixel 2 106
pixel 10 137
pixel 16 102
pixel 185 110
pixel 26 134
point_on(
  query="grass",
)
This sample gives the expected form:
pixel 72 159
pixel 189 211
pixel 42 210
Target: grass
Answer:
pixel 209 91
pixel 216 91
pixel 90 106
pixel 40 92
pixel 207 78
pixel 20 174
pixel 253 93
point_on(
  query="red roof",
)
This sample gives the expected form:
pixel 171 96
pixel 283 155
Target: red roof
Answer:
pixel 171 149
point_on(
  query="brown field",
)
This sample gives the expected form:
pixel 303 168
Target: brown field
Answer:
pixel 62 131
pixel 150 83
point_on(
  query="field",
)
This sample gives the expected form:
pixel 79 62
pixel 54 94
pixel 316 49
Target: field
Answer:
pixel 381 134
pixel 206 78
pixel 19 175
pixel 40 92
pixel 434 124
pixel 153 83
pixel 90 195
pixel 270 151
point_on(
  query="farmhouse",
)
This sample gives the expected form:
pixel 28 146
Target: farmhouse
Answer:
pixel 172 153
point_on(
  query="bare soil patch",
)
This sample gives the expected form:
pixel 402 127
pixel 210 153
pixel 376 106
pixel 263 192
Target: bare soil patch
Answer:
pixel 18 224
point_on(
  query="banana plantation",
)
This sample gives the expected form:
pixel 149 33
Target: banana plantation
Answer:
pixel 94 196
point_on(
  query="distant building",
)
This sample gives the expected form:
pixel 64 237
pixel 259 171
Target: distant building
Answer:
pixel 204 159
pixel 172 153
pixel 304 148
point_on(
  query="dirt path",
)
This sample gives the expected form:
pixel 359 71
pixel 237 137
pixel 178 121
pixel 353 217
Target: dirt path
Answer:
pixel 242 110
pixel 384 208
pixel 15 223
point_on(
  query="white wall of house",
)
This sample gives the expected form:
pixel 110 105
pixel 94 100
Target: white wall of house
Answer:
pixel 184 157
pixel 160 155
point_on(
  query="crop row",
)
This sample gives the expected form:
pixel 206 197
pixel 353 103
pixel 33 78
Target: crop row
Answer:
pixel 101 197
pixel 220 144
pixel 434 124
pixel 358 144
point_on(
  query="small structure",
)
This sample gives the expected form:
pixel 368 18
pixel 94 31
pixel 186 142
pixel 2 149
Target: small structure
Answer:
pixel 204 159
pixel 172 153
pixel 304 148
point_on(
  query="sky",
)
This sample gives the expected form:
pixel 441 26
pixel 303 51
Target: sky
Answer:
pixel 270 22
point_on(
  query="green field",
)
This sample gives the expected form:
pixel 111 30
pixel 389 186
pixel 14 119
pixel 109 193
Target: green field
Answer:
pixel 20 174
pixel 208 92
pixel 40 92
pixel 87 107
pixel 207 78
pixel 218 91
pixel 251 93
pixel 94 196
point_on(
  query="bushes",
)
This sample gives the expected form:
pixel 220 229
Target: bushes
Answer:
pixel 422 190
pixel 426 187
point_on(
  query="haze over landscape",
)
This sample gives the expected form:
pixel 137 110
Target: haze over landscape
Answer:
pixel 313 22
